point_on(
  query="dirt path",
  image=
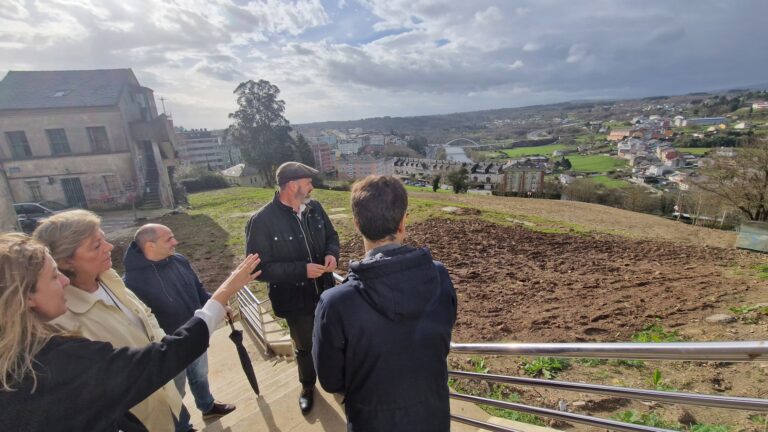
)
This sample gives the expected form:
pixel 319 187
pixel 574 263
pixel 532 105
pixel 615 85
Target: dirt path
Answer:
pixel 514 284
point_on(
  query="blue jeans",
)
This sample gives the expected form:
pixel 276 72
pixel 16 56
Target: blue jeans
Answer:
pixel 197 372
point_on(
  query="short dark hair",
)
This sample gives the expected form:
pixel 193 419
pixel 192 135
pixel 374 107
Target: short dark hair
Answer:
pixel 378 205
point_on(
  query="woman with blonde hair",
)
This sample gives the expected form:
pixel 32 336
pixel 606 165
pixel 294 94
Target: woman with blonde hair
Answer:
pixel 54 381
pixel 100 307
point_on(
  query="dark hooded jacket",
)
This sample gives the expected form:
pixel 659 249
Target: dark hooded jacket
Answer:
pixel 170 287
pixel 382 338
pixel 285 244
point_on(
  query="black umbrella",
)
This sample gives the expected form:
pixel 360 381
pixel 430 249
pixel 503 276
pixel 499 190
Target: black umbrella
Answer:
pixel 245 360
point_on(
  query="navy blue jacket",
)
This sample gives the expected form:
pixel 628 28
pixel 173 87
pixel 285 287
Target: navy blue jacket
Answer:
pixel 382 338
pixel 169 287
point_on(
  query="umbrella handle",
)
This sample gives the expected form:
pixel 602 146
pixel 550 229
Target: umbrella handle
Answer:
pixel 229 320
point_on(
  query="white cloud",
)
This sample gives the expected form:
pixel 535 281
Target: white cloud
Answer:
pixel 531 46
pixel 577 53
pixel 361 58
pixel 488 16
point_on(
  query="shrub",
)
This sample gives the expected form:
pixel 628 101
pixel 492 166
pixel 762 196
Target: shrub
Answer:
pixel 656 333
pixel 547 367
pixel 646 419
pixel 206 181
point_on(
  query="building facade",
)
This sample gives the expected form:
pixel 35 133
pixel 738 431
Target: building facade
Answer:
pixel 351 167
pixel 89 139
pixel 206 149
pixel 523 177
pixel 324 161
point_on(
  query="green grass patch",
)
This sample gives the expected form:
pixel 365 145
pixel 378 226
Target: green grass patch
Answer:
pixel 656 333
pixel 703 427
pixel 591 362
pixel 478 364
pixel 762 271
pixel 595 163
pixel 659 383
pixel 742 310
pixel 647 419
pixel 694 150
pixel 509 414
pixel 636 364
pixel 412 188
pixel 547 367
pixel 545 150
pixel 609 182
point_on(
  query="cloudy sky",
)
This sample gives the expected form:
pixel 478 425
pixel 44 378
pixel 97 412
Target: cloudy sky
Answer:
pixel 350 59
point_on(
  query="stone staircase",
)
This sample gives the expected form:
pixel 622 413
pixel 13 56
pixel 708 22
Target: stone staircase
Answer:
pixel 277 408
pixel 151 198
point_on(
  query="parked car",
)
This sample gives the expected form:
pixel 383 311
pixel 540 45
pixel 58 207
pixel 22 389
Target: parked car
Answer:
pixel 28 214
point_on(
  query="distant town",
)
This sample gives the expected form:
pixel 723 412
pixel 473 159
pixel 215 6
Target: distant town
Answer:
pixel 96 139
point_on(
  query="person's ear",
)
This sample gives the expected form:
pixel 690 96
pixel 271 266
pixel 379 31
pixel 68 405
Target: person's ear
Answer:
pixel 65 264
pixel 31 303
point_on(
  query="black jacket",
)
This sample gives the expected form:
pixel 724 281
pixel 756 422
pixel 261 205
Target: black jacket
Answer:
pixel 382 338
pixel 170 287
pixel 278 236
pixel 85 385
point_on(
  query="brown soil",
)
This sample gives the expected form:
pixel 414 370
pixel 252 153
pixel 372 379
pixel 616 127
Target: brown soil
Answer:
pixel 592 217
pixel 514 284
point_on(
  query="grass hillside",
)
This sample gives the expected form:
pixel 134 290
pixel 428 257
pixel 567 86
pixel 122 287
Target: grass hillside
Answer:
pixel 231 208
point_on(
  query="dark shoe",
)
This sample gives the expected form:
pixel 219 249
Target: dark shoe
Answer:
pixel 191 430
pixel 218 410
pixel 306 399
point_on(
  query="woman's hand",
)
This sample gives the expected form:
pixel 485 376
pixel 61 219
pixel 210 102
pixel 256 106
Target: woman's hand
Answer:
pixel 237 279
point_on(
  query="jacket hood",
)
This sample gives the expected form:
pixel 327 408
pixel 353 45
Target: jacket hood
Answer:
pixel 134 259
pixel 399 283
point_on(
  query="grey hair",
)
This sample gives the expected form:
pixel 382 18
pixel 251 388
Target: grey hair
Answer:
pixel 63 232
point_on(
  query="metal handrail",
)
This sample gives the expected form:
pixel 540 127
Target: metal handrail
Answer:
pixel 729 402
pixel 559 415
pixel 690 351
pixel 252 311
pixel 695 351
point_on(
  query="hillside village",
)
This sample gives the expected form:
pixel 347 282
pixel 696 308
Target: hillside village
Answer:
pixel 61 133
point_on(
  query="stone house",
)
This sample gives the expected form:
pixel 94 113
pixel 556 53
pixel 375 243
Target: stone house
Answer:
pixel 523 176
pixel 486 174
pixel 85 138
pixel 242 175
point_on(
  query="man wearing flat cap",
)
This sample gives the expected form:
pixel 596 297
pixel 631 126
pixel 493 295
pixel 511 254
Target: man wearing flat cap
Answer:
pixel 299 249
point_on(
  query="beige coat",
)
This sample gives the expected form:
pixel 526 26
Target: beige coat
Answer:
pixel 97 320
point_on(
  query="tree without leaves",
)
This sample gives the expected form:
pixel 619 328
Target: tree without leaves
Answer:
pixel 741 181
pixel 260 130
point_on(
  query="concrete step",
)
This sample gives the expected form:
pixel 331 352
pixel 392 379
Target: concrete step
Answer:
pixel 277 408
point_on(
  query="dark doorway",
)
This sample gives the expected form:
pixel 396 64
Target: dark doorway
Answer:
pixel 73 191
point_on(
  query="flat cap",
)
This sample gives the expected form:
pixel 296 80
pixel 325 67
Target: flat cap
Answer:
pixel 293 171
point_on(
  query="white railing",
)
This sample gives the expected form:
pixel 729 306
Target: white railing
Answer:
pixel 688 351
pixel 254 310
